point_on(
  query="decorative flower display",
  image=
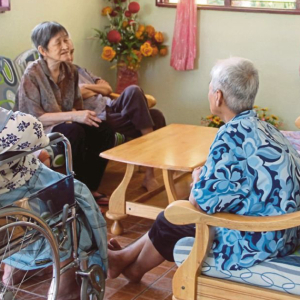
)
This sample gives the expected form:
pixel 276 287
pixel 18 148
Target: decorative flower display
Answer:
pixel 262 113
pixel 125 40
pixel 212 121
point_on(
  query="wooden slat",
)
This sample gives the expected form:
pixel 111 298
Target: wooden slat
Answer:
pixel 142 210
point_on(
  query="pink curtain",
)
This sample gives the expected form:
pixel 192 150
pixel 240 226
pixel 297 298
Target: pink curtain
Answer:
pixel 184 39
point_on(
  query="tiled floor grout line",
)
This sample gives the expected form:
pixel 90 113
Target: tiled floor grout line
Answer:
pixel 148 287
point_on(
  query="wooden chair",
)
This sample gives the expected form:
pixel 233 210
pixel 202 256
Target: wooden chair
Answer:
pixel 190 284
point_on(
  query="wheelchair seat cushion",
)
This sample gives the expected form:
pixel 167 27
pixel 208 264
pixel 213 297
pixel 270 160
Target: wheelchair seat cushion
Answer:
pixel 281 274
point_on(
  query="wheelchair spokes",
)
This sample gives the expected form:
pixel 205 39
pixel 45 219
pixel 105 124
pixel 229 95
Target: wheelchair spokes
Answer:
pixel 28 257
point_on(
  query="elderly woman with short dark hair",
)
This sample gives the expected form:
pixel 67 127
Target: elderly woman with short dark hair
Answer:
pixel 251 169
pixel 49 91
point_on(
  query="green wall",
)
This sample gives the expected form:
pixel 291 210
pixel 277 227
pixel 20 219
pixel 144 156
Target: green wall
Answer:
pixel 271 41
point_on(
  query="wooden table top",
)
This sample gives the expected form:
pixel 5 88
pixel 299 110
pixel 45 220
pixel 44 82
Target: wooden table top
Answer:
pixel 178 147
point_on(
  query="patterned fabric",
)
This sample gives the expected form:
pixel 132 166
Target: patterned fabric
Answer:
pixel 91 229
pixel 251 170
pixel 294 138
pixel 39 94
pixel 20 133
pixel 280 274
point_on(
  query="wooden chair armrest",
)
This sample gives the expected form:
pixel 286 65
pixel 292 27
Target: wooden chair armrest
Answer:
pixel 183 212
pixel 150 99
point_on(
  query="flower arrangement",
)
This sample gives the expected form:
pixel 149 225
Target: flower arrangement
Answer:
pixel 125 40
pixel 262 113
pixel 212 121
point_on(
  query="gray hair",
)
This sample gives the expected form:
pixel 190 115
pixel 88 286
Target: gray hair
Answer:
pixel 44 32
pixel 237 79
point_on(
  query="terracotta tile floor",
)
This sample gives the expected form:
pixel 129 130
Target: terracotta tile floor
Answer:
pixel 156 284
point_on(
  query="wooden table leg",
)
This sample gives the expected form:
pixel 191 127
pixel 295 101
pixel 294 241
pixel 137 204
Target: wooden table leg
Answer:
pixel 117 207
pixel 169 185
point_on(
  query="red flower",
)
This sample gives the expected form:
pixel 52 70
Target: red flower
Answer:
pixel 130 22
pixel 127 14
pixel 114 36
pixel 113 13
pixel 133 7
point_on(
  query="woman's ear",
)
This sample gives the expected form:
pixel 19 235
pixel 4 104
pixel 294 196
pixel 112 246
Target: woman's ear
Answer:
pixel 41 50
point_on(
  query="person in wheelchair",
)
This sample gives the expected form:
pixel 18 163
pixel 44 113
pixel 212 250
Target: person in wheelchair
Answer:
pixel 49 91
pixel 251 169
pixel 27 175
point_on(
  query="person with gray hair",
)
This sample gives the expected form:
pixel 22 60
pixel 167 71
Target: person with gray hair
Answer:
pixel 238 80
pixel 251 169
pixel 49 91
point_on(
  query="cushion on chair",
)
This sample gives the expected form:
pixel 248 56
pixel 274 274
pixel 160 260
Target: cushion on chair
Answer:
pixel 281 274
pixel 8 83
pixel 21 61
pixel 294 138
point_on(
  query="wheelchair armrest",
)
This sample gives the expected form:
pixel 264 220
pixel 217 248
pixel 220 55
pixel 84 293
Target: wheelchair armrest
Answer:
pixel 6 157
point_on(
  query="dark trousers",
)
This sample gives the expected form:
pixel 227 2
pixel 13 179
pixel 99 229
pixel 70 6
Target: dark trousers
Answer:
pixel 130 113
pixel 164 235
pixel 87 143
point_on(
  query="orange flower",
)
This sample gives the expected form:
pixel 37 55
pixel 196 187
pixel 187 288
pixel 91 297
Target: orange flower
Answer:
pixel 124 24
pixel 159 37
pixel 139 35
pixel 146 49
pixel 141 28
pixel 163 51
pixel 155 51
pixel 106 11
pixel 150 30
pixel 138 54
pixel 108 53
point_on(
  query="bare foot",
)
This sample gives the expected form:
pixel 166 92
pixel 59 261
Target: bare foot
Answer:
pixel 150 184
pixel 68 287
pixel 113 245
pixel 13 276
pixel 116 264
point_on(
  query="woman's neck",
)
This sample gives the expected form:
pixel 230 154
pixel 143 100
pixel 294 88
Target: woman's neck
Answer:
pixel 54 68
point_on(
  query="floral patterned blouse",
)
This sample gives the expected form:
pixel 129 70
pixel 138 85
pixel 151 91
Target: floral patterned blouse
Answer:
pixel 252 169
pixel 19 132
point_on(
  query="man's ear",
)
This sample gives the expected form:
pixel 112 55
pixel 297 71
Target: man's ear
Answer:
pixel 219 98
pixel 41 50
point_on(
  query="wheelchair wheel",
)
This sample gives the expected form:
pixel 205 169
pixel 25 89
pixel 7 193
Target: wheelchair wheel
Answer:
pixel 93 285
pixel 29 257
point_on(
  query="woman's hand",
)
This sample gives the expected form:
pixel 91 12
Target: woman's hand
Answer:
pixel 195 175
pixel 87 117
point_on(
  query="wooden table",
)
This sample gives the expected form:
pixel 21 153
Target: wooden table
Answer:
pixel 176 147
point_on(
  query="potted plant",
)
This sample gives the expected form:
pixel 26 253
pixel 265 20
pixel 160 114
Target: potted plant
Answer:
pixel 127 42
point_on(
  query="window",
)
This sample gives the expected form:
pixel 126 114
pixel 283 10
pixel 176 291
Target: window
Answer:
pixel 269 6
pixel 4 5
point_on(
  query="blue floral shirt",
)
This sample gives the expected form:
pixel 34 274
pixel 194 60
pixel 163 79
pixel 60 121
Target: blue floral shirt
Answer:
pixel 251 169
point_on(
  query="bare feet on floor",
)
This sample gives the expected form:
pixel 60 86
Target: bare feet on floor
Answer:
pixel 150 184
pixel 13 276
pixel 113 245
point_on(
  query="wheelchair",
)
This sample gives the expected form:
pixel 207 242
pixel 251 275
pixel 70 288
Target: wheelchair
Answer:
pixel 34 232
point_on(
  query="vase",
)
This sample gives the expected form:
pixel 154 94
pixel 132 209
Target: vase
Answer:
pixel 125 78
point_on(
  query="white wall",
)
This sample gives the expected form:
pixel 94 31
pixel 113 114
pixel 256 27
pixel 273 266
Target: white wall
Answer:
pixel 271 41
pixel 78 16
